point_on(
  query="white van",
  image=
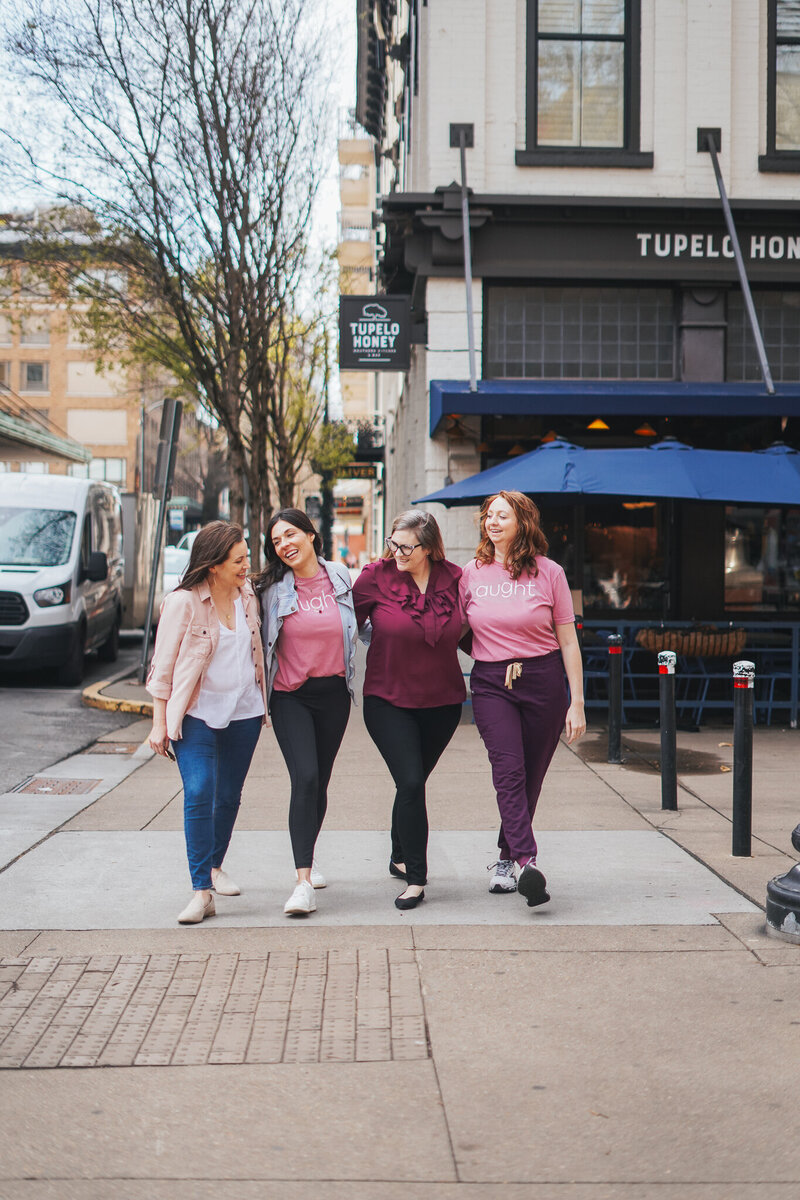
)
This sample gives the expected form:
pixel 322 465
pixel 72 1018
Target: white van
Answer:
pixel 61 573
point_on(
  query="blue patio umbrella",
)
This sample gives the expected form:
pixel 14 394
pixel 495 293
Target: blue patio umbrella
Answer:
pixel 665 470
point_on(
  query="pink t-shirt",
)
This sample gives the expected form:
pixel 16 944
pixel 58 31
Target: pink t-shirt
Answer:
pixel 311 640
pixel 515 618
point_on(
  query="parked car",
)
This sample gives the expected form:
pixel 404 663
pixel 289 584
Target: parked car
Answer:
pixel 61 573
pixel 176 560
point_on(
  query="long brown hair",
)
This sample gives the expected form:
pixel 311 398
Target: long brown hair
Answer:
pixel 275 568
pixel 426 527
pixel 210 548
pixel 528 542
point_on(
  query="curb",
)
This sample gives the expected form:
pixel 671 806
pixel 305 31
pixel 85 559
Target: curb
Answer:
pixel 92 698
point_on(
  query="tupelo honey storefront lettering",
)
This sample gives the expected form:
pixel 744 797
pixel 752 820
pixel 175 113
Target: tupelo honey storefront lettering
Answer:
pixel 715 245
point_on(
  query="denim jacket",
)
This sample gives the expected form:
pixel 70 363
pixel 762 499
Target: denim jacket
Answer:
pixel 280 600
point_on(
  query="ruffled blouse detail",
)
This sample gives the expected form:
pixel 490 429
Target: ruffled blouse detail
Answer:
pixel 431 609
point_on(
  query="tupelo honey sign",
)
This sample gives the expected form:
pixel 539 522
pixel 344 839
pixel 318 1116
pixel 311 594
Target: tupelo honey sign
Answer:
pixel 374 333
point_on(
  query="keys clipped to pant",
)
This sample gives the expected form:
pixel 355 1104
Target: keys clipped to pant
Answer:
pixel 513 671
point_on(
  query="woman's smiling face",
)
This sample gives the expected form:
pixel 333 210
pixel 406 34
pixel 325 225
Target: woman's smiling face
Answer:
pixel 293 546
pixel 501 524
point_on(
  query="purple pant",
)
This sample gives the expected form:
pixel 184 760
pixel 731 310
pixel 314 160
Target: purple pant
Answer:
pixel 520 727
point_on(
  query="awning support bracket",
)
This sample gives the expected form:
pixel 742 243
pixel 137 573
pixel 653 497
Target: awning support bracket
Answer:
pixel 709 141
pixel 464 136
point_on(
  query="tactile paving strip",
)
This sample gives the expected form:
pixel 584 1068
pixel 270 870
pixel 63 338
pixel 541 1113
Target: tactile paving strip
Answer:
pixel 140 1010
pixel 43 785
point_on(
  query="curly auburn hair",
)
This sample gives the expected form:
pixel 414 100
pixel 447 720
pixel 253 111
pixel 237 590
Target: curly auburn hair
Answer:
pixel 528 542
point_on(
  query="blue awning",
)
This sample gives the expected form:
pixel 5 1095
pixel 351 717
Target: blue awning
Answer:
pixel 665 470
pixel 608 397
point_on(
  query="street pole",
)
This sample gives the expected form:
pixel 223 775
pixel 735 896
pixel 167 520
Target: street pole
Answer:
pixel 743 684
pixel 666 701
pixel 165 470
pixel 614 698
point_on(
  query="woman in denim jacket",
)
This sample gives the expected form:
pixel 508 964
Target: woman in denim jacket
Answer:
pixel 309 631
pixel 207 681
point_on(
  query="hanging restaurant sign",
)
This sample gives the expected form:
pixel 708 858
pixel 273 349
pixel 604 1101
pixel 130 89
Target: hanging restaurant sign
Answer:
pixel 374 333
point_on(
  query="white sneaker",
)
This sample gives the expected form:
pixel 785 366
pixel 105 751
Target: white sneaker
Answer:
pixel 301 902
pixel 504 878
pixel 318 880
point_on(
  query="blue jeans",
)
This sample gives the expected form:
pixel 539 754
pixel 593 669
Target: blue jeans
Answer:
pixel 213 764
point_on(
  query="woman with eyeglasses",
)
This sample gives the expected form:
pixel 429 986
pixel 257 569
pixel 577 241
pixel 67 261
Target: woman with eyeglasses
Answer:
pixel 413 687
pixel 519 609
pixel 309 631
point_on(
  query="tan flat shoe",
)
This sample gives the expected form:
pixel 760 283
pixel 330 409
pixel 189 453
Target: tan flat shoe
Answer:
pixel 223 885
pixel 197 910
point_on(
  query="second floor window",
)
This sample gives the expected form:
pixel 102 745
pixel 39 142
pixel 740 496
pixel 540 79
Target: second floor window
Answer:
pixel 582 64
pixel 783 122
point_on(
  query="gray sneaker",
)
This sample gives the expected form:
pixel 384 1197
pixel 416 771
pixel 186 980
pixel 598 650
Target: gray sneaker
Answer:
pixel 504 878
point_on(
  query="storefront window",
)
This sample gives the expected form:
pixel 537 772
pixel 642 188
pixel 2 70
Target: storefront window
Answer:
pixel 624 559
pixel 580 333
pixel 779 319
pixel 762 559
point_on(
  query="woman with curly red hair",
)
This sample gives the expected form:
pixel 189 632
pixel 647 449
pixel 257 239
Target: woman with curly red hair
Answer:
pixel 519 609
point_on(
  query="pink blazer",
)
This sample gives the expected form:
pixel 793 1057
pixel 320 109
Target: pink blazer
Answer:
pixel 188 635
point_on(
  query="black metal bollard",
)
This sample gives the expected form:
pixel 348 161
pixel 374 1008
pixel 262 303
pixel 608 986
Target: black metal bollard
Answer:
pixel 744 674
pixel 614 698
pixel 783 906
pixel 666 704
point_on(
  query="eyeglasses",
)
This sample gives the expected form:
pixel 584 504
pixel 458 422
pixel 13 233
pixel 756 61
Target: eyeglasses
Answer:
pixel 403 551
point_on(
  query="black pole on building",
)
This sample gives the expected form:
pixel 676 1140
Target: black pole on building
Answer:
pixel 666 703
pixel 710 141
pixel 614 698
pixel 743 683
pixel 463 137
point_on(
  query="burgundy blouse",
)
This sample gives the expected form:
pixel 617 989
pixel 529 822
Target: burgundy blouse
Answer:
pixel 412 660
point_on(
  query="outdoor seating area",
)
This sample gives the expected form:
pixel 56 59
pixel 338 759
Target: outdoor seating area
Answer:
pixel 703 676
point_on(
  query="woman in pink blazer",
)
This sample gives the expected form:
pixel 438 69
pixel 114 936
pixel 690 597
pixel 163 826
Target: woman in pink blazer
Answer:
pixel 209 700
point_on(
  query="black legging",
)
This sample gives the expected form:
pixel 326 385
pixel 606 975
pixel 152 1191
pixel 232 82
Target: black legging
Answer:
pixel 411 741
pixel 309 725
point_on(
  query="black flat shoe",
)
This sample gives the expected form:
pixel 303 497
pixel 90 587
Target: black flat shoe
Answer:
pixel 796 838
pixel 403 902
pixel 533 886
pixel 398 874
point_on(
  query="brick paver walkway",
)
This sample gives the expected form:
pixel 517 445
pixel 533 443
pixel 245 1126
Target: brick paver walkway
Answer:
pixel 140 1010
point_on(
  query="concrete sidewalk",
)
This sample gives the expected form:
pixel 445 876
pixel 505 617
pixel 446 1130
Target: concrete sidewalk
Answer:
pixel 636 1038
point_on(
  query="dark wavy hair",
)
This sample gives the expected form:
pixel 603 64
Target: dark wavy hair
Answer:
pixel 529 540
pixel 426 527
pixel 210 548
pixel 275 568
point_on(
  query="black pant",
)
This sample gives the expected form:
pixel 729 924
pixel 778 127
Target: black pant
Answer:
pixel 309 725
pixel 411 741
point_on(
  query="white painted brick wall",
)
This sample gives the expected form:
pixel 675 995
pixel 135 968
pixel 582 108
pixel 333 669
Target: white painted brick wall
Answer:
pixel 703 62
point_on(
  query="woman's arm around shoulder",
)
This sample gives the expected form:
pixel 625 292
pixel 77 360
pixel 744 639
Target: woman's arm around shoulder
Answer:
pixel 364 592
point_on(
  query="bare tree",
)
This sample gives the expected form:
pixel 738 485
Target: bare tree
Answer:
pixel 193 132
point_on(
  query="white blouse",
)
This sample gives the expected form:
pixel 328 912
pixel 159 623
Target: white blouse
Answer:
pixel 229 690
